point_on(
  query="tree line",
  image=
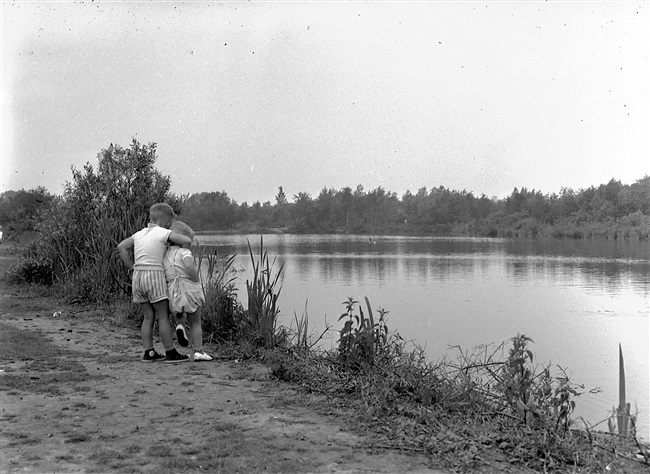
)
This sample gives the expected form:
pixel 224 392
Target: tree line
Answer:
pixel 611 210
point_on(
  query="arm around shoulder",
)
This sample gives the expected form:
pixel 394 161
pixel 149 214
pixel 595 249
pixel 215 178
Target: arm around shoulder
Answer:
pixel 179 239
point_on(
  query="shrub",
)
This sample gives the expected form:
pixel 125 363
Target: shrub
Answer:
pixel 31 270
pixel 78 236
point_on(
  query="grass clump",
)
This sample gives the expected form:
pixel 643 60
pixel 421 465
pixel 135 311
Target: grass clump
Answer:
pixel 223 315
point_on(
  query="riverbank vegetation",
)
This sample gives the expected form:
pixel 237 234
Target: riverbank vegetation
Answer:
pixel 461 411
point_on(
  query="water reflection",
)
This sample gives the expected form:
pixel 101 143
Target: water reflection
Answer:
pixel 607 265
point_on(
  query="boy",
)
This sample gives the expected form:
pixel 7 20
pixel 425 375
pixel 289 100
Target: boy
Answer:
pixel 148 284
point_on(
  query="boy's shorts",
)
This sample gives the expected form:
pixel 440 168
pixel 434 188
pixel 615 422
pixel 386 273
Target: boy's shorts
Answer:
pixel 149 286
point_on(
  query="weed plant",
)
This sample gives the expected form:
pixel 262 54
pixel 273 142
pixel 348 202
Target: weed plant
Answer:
pixel 494 399
pixel 361 340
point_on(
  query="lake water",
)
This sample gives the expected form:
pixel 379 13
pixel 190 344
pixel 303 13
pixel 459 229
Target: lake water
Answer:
pixel 577 299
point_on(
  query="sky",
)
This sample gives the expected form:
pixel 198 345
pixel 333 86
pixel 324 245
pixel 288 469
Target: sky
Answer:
pixel 244 97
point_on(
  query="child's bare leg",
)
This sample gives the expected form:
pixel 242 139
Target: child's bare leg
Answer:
pixel 164 328
pixel 147 325
pixel 195 329
pixel 197 336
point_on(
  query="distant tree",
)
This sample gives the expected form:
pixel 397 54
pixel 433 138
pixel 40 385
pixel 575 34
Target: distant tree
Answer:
pixel 325 209
pixel 211 211
pixel 342 206
pixel 281 198
pixel 303 213
pixel 281 211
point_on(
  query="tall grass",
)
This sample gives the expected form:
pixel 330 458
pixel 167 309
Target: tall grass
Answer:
pixel 302 327
pixel 222 314
pixel 263 291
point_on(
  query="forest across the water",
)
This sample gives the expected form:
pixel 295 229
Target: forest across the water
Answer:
pixel 613 210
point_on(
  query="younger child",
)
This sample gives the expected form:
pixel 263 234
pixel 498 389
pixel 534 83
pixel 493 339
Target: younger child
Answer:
pixel 148 283
pixel 185 291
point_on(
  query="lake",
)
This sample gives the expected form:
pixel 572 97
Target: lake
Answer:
pixel 577 299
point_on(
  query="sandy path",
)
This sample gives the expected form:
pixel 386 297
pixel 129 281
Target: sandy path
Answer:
pixel 92 406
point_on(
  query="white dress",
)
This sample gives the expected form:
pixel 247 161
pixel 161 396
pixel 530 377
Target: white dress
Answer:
pixel 184 294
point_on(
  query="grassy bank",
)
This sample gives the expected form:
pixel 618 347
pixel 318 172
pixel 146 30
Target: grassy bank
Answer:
pixel 463 410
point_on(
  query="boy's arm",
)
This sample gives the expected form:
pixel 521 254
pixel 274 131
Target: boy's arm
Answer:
pixel 190 269
pixel 123 249
pixel 179 239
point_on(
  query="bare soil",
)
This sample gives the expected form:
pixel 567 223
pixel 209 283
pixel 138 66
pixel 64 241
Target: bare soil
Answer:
pixel 75 397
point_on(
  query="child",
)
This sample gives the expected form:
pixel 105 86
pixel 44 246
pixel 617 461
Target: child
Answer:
pixel 185 291
pixel 148 284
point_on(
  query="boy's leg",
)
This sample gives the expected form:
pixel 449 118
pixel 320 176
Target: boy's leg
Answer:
pixel 150 354
pixel 165 330
pixel 147 325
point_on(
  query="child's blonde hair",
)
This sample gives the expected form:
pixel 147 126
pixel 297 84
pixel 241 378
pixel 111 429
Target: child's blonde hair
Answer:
pixel 182 228
pixel 161 211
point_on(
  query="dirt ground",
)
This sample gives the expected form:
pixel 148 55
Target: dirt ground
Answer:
pixel 76 398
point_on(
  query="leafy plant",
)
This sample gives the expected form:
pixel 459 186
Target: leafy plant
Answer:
pixel 535 397
pixel 361 339
pixel 517 377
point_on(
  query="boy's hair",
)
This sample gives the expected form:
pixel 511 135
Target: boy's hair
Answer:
pixel 182 228
pixel 160 211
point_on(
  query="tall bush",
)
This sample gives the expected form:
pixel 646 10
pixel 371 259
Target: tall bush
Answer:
pixel 100 206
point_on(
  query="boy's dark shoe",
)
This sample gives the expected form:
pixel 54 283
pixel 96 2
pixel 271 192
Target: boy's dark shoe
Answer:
pixel 173 357
pixel 150 355
pixel 181 335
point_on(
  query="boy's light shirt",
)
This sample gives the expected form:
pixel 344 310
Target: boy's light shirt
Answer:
pixel 149 246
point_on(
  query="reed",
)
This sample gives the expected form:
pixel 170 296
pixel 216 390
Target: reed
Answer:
pixel 214 270
pixel 625 421
pixel 263 293
pixel 222 314
pixel 302 325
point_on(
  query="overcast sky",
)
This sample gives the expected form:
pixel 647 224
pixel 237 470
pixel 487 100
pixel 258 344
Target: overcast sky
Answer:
pixel 244 97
